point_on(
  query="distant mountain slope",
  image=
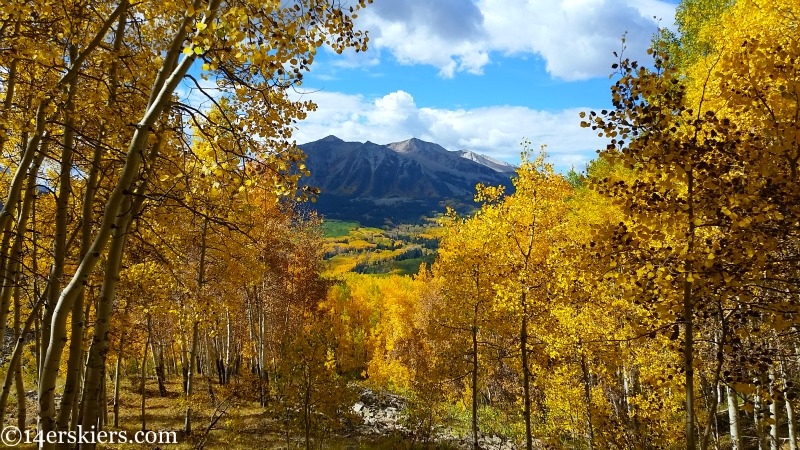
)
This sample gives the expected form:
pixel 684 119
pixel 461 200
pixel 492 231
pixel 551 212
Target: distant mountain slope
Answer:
pixel 488 161
pixel 398 182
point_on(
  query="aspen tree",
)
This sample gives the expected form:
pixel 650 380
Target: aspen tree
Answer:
pixel 276 40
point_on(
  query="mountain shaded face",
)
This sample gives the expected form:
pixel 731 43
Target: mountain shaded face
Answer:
pixel 397 182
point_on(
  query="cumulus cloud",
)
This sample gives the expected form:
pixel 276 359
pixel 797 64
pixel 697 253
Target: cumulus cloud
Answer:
pixel 495 131
pixel 441 33
pixel 575 38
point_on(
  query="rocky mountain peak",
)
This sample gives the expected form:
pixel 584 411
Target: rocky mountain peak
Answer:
pixel 488 161
pixel 330 138
pixel 397 182
pixel 415 145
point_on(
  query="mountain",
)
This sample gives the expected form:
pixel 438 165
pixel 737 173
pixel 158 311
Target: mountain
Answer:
pixel 398 182
pixel 488 161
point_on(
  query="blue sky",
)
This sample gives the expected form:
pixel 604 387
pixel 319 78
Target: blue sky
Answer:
pixel 480 74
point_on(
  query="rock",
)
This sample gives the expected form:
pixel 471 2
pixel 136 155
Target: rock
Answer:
pixel 368 397
pixel 382 414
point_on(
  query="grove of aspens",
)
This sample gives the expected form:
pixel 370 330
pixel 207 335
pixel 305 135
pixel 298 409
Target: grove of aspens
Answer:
pixel 162 265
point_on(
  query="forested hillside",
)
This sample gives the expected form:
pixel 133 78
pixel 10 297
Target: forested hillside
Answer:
pixel 400 250
pixel 160 272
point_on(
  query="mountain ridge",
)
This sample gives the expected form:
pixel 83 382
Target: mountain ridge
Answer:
pixel 396 182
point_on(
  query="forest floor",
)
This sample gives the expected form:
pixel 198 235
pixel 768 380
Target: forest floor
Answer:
pixel 243 425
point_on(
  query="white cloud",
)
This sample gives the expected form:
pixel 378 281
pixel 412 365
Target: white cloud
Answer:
pixel 441 33
pixel 495 131
pixel 576 38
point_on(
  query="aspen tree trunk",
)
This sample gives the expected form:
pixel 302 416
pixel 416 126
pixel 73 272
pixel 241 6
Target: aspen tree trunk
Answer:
pixel 228 339
pixel 307 405
pixel 791 424
pixel 255 338
pixel 103 402
pixel 158 364
pixel 80 313
pixel 5 248
pixel 713 387
pixel 16 356
pixel 789 413
pixel 99 347
pixel 212 346
pixel 77 418
pixel 688 318
pixel 635 389
pixel 733 417
pixel 758 420
pixel 712 412
pixel 65 188
pixel 117 373
pixel 626 409
pixel 185 361
pixel 237 361
pixel 22 409
pixel 57 270
pixel 262 357
pixel 167 80
pixel 773 411
pixel 154 357
pixel 98 350
pixel 9 266
pixel 17 368
pixel 143 377
pixel 166 363
pixel 30 184
pixel 17 182
pixel 8 101
pixel 526 374
pixel 174 357
pixel 37 345
pixel 587 397
pixel 195 329
pixel 190 378
pixel 797 353
pixel 474 331
pixel 6 258
pixel 36 291
pixel 59 260
pixel 14 364
pixel 76 405
pixel 75 382
pixel 72 385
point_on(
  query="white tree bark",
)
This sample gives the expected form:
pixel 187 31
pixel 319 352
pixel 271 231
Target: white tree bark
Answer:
pixel 773 412
pixel 789 413
pixel 733 417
